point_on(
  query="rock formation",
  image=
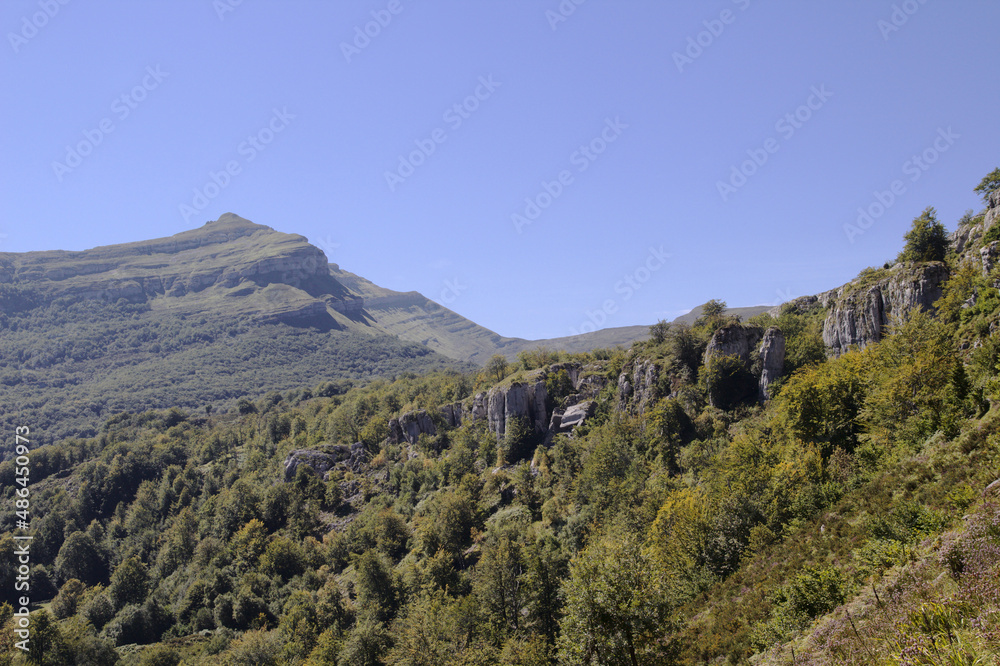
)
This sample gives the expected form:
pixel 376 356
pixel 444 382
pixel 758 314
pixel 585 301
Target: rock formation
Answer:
pixel 860 313
pixel 408 427
pixel 637 385
pixel 519 400
pixel 452 414
pixel 772 360
pixel 322 462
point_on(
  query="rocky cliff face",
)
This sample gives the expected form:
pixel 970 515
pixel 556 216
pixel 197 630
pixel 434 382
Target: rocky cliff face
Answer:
pixel 734 340
pixel 772 360
pixel 762 353
pixel 993 211
pixel 231 258
pixel 520 400
pixel 410 426
pixel 637 385
pixel 526 401
pixel 860 313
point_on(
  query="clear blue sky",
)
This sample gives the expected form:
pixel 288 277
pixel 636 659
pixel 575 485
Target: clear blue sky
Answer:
pixel 198 80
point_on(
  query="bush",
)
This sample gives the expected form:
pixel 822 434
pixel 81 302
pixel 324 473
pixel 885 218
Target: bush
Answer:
pixel 816 591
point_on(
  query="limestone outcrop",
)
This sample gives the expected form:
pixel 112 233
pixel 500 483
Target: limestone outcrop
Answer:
pixel 519 400
pixel 637 385
pixel 321 462
pixel 409 426
pixel 860 312
pixel 772 360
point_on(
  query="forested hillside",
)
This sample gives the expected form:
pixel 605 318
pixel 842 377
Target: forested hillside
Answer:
pixel 813 486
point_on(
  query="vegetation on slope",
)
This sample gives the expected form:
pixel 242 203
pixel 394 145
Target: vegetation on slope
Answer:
pixel 842 522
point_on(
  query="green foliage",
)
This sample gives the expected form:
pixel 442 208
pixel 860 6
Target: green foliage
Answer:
pixel 658 331
pixel 729 382
pixel 614 609
pixel 817 590
pixel 679 534
pixel 988 185
pixel 926 240
pixel 497 368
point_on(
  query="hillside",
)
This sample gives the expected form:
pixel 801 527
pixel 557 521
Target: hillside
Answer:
pixel 200 319
pixel 813 485
pixel 416 318
pixel 197 320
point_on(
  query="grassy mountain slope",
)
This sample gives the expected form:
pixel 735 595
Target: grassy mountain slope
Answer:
pixel 416 318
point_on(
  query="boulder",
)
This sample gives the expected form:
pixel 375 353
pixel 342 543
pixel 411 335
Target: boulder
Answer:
pixel 576 415
pixel 320 462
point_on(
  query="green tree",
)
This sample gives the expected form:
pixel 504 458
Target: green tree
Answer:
pixel 46 647
pixel 432 631
pixel 498 582
pixel 926 240
pixel 79 558
pixel 66 602
pixel 258 647
pixel 614 611
pixel 497 367
pixel 375 586
pixel 714 308
pixel 129 583
pixel 160 655
pixel 658 331
pixel 988 185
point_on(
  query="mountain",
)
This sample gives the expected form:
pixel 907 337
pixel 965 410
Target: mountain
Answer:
pixel 414 317
pixel 202 318
pixel 197 320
